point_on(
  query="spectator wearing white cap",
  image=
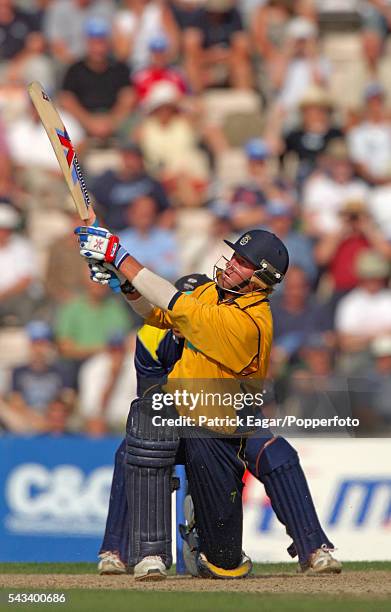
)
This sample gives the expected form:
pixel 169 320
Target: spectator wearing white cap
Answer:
pixel 159 68
pixel 364 314
pixel 18 270
pixel 370 141
pixel 170 141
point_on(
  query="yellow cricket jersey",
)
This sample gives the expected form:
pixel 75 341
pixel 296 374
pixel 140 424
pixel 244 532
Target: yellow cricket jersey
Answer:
pixel 224 339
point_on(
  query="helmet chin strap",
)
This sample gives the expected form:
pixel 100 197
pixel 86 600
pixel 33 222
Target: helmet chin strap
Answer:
pixel 236 288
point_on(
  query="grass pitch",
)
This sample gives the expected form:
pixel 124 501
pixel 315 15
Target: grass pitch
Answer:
pixel 101 595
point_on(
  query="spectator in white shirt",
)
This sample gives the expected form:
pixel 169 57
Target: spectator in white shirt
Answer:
pixel 328 188
pixel 365 313
pixel 370 141
pixel 18 270
pixel 107 384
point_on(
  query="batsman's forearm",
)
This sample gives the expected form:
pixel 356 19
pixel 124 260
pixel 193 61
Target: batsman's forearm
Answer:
pixel 157 290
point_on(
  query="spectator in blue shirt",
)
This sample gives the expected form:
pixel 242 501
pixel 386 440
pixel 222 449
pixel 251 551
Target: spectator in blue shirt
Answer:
pixel 41 380
pixel 114 190
pixel 153 246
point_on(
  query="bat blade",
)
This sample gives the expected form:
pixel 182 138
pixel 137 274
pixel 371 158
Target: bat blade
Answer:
pixel 64 150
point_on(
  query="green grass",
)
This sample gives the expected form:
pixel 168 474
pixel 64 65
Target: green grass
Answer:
pixel 104 601
pixel 90 568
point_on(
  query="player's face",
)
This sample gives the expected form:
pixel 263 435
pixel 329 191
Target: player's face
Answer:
pixel 236 271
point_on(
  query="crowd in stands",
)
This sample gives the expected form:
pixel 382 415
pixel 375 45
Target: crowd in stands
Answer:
pixel 195 120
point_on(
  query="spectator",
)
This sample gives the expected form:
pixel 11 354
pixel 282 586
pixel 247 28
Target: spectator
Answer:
pixel 158 69
pixel 365 313
pixel 96 89
pixel 370 141
pixel 114 190
pixel 169 140
pixel 17 29
pixel 64 26
pixel 311 138
pixel 375 26
pixel 41 380
pixel 57 417
pixel 217 48
pixel 85 323
pixel 280 219
pixel 64 275
pixel 269 27
pixel 18 271
pixel 107 383
pixel 315 390
pixel 304 65
pixel 331 185
pixel 249 199
pixel 39 177
pixel 339 251
pixel 155 247
pixel 296 315
pixel 136 24
pixel 203 249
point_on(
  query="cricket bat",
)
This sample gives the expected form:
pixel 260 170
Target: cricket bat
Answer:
pixel 64 151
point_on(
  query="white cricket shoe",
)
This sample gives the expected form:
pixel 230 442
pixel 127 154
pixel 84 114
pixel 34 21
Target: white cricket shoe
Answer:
pixel 150 569
pixel 321 562
pixel 110 563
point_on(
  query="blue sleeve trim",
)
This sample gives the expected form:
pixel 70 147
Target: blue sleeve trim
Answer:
pixel 174 299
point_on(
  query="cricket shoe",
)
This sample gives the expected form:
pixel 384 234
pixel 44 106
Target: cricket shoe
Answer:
pixel 110 563
pixel 150 569
pixel 321 562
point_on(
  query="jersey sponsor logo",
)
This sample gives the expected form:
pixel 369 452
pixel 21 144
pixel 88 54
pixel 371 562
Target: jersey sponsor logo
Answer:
pixel 58 501
pixel 245 240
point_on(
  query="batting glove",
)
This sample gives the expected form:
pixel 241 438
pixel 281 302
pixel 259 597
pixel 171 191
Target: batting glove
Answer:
pixel 98 244
pixel 104 276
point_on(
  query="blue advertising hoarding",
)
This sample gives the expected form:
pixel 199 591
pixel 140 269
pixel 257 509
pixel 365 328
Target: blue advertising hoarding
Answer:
pixel 54 496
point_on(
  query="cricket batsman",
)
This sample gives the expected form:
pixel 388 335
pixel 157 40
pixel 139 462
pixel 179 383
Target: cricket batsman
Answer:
pixel 228 329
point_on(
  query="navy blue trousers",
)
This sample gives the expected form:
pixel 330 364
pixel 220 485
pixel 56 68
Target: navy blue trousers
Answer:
pixel 215 468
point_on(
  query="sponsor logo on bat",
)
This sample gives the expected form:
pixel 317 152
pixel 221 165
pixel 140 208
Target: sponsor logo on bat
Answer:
pixel 69 152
